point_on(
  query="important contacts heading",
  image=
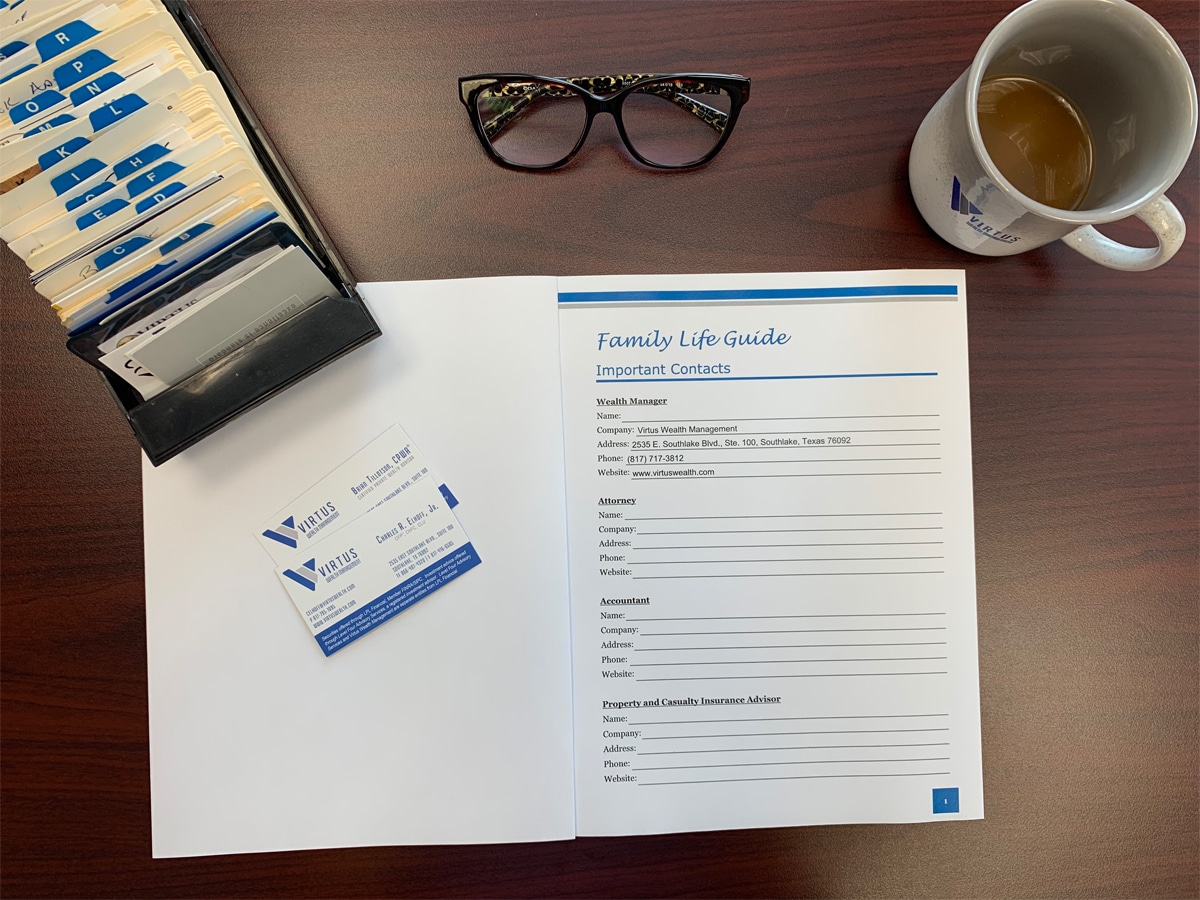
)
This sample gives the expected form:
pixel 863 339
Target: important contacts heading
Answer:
pixel 699 340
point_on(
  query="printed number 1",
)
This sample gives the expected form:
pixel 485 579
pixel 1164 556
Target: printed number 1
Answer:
pixel 945 800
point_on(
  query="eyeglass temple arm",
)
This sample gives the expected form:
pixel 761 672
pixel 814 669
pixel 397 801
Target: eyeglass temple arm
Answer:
pixel 596 84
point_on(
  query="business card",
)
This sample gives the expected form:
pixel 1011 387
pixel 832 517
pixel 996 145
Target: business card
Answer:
pixel 232 316
pixel 378 473
pixel 374 568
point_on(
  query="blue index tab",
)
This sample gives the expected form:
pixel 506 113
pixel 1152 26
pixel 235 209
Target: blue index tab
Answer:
pixel 398 599
pixel 126 287
pixel 118 109
pixel 60 40
pixel 82 95
pixel 11 49
pixel 35 105
pixel 61 152
pixel 146 181
pixel 82 66
pixel 68 179
pixel 119 252
pixel 62 119
pixel 451 500
pixel 176 242
pixel 103 212
pixel 160 195
pixel 91 195
pixel 13 75
pixel 945 800
pixel 143 157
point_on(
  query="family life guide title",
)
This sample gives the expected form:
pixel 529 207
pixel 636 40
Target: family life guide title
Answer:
pixel 700 340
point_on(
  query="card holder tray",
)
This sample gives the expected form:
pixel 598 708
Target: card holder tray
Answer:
pixel 189 411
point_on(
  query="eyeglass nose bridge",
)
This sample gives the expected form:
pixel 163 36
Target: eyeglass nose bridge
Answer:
pixel 606 105
pixel 597 105
pixel 612 106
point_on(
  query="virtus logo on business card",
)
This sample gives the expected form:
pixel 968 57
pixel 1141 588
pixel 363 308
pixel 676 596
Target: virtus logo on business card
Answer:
pixel 284 532
pixel 306 577
pixel 288 531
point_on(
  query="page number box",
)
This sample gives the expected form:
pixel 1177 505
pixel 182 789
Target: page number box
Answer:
pixel 945 800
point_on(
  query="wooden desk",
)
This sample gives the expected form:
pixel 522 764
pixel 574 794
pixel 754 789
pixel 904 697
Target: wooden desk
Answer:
pixel 1083 388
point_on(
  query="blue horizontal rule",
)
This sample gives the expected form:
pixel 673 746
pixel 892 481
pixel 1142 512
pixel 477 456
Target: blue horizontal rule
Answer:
pixel 768 377
pixel 825 293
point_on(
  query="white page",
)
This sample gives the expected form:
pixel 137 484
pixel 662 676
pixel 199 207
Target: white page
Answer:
pixel 777 625
pixel 452 722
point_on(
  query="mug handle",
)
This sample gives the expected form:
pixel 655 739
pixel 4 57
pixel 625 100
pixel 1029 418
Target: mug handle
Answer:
pixel 1164 220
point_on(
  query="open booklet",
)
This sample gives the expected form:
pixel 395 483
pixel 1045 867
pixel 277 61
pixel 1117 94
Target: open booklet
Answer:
pixel 725 574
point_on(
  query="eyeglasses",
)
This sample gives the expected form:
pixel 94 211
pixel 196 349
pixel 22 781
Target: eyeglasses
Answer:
pixel 666 121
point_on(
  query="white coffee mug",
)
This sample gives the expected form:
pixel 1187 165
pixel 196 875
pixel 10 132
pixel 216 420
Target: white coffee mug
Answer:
pixel 1131 84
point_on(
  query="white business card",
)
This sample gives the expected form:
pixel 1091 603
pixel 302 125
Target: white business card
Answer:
pixel 374 568
pixel 226 319
pixel 377 474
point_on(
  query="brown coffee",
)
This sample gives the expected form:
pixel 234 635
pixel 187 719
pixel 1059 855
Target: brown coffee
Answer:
pixel 1037 138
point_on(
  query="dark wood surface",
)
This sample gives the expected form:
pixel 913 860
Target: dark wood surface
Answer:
pixel 1083 391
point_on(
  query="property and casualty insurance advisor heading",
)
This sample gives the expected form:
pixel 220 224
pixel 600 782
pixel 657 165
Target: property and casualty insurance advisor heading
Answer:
pixel 771 544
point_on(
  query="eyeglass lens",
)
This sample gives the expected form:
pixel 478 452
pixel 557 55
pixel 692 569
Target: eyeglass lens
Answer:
pixel 674 123
pixel 531 123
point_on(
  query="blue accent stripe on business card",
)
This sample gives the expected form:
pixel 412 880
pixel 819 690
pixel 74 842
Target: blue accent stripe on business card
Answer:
pixel 397 599
pixel 823 293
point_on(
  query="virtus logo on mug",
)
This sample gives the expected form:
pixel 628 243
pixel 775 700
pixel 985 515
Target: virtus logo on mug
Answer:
pixel 1073 113
pixel 964 207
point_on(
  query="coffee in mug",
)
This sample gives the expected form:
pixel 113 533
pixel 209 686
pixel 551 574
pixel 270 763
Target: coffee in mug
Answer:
pixel 1037 138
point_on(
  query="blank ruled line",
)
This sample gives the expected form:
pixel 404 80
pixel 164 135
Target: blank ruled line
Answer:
pixel 681 737
pixel 794 778
pixel 763 546
pixel 786 574
pixel 777 749
pixel 784 462
pixel 810 675
pixel 738 434
pixel 779 419
pixel 709 562
pixel 789 616
pixel 799 530
pixel 769 662
pixel 780 516
pixel 785 647
pixel 796 762
pixel 796 719
pixel 791 631
pixel 783 475
pixel 810 446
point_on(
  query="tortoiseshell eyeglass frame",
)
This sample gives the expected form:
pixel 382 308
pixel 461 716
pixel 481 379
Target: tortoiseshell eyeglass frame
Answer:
pixel 604 94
